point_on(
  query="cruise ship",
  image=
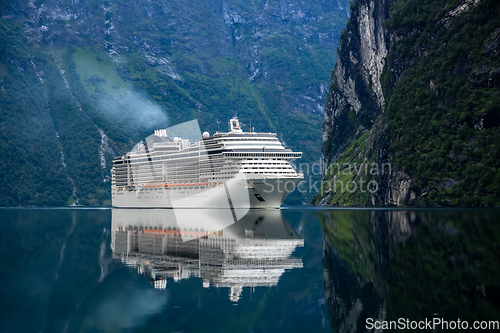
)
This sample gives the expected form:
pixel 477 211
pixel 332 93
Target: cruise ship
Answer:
pixel 225 170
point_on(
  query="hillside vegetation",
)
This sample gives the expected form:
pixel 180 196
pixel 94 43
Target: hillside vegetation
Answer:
pixel 443 116
pixel 439 127
pixel 83 81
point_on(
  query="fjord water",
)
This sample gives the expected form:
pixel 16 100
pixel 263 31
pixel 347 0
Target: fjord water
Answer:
pixel 294 270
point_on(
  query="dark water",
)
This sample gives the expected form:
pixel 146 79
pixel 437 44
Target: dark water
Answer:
pixel 295 270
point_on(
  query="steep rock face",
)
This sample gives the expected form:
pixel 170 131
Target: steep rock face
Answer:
pixel 435 131
pixel 398 189
pixel 356 98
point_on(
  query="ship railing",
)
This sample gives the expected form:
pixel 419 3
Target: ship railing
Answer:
pixel 166 185
pixel 288 155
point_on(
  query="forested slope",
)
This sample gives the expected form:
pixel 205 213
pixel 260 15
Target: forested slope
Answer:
pixel 83 81
pixel 436 118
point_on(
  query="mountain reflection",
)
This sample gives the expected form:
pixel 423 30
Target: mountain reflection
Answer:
pixel 171 245
pixel 387 265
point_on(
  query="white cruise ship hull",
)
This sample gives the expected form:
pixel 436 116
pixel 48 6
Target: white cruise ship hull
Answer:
pixel 233 193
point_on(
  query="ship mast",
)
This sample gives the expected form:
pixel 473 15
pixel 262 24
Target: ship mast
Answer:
pixel 235 126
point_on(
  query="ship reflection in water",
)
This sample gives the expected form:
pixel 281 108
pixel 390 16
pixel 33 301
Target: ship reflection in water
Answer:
pixel 171 245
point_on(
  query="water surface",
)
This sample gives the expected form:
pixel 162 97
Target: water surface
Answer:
pixel 294 270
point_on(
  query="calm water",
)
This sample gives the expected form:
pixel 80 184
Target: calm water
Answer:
pixel 294 270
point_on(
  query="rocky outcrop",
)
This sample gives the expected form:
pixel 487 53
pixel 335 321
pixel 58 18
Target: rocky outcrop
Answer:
pixel 398 189
pixel 403 95
pixel 356 97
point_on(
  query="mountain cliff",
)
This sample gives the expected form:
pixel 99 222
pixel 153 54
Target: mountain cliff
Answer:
pixel 82 81
pixel 412 115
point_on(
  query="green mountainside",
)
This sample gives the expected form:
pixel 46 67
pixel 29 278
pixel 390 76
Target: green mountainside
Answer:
pixel 83 81
pixel 429 122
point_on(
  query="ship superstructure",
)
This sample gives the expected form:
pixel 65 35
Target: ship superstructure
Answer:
pixel 224 170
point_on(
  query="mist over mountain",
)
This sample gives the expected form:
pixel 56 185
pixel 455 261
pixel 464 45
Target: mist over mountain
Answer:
pixel 82 81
